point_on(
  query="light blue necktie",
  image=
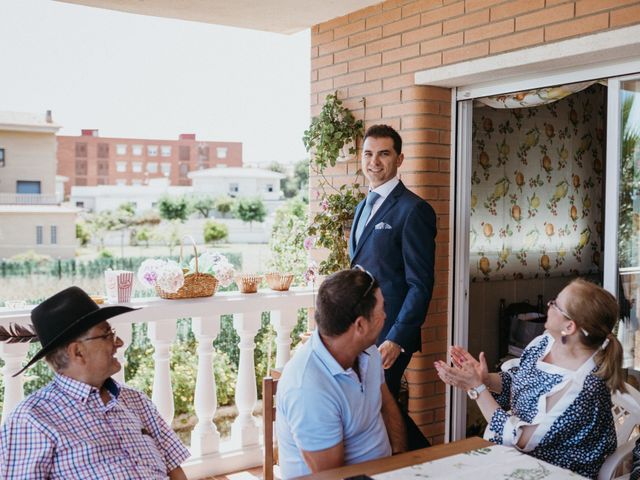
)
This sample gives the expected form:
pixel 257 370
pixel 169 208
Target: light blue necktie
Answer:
pixel 366 211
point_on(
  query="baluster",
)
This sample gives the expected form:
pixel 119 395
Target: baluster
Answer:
pixel 162 334
pixel 125 333
pixel 205 438
pixel 283 322
pixel 13 355
pixel 244 430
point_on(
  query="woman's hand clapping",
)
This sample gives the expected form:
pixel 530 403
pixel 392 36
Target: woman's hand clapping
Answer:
pixel 466 372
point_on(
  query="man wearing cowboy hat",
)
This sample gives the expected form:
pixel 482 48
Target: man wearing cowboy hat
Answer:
pixel 83 424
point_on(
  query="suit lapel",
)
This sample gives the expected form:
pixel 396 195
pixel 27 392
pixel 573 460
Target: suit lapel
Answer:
pixel 384 208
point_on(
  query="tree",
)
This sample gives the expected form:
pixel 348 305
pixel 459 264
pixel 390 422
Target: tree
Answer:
pixel 224 205
pixel 286 243
pixel 143 235
pixel 251 210
pixel 82 233
pixel 203 204
pixel 170 233
pixel 173 208
pixel 99 224
pixel 215 231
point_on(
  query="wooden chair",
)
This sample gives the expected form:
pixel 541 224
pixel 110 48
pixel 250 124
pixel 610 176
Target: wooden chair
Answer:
pixel 269 388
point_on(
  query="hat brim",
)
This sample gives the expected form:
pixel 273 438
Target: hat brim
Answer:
pixel 81 325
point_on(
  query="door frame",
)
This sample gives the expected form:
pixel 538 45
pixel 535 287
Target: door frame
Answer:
pixel 463 98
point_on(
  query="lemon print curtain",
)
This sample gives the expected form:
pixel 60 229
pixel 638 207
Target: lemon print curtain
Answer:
pixel 536 195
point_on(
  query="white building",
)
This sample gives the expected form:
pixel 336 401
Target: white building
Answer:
pixel 216 182
pixel 31 217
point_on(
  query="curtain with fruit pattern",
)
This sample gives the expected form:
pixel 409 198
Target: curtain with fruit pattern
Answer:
pixel 537 192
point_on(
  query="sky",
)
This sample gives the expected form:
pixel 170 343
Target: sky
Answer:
pixel 146 77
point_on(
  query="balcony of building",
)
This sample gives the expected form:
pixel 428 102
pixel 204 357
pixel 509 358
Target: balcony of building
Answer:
pixel 28 199
pixel 210 454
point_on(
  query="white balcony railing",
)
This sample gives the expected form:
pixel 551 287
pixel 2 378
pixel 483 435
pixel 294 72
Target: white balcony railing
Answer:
pixel 209 455
pixel 27 199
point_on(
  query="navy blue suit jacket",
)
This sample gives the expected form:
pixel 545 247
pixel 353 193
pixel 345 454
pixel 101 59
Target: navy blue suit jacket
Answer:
pixel 398 248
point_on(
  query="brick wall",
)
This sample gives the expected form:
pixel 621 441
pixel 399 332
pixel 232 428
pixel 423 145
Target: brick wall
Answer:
pixel 374 53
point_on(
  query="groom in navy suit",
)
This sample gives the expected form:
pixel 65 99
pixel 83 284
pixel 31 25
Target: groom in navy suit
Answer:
pixel 393 237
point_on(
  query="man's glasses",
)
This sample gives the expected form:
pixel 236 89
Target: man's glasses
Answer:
pixel 111 335
pixel 372 282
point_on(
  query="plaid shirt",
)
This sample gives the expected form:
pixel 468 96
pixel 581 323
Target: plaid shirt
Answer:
pixel 65 431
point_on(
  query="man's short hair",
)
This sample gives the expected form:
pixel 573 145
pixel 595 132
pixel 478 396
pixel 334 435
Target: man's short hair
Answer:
pixel 385 131
pixel 343 297
pixel 58 358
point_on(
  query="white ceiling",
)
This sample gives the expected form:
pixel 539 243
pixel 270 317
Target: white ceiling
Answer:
pixel 281 16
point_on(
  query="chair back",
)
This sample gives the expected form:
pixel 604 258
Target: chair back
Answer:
pixel 269 388
pixel 626 413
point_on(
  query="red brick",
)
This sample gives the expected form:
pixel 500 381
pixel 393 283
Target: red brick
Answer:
pixel 401 26
pixel 576 27
pixel 517 40
pixel 469 52
pixel 349 54
pixel 365 37
pixel 465 22
pixel 322 85
pixel 411 108
pixel 402 53
pixel 336 45
pixel 421 34
pixel 514 8
pixel 442 43
pixel 428 150
pixel 420 136
pixel 585 7
pixel 383 98
pixel 348 80
pixel 625 16
pixel 383 18
pixel 383 72
pixel 391 4
pixel 494 29
pixel 383 44
pixel 422 63
pixel 440 14
pixel 349 29
pixel 365 62
pixel 425 92
pixel 471 5
pixel 365 88
pixel 320 38
pixel 420 6
pixel 320 62
pixel 545 17
pixel 332 71
pixel 400 81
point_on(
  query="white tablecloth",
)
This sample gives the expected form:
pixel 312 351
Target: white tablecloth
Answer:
pixel 489 463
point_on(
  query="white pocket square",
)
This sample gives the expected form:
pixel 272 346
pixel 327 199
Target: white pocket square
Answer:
pixel 383 226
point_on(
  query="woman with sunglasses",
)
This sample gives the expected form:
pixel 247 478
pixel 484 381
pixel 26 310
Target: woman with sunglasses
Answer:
pixel 556 405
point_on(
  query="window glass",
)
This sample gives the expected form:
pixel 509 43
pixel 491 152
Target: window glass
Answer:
pixel 121 167
pixel 221 152
pixel 152 150
pixel 121 149
pixel 39 234
pixel 166 168
pixel 54 234
pixel 28 186
pixel 137 150
pixel 152 167
pixel 136 167
pixel 165 150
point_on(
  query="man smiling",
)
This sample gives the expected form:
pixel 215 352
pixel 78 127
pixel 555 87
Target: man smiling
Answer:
pixel 83 424
pixel 393 236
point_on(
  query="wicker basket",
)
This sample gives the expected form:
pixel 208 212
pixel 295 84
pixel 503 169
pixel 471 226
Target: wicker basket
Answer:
pixel 195 284
pixel 248 283
pixel 279 281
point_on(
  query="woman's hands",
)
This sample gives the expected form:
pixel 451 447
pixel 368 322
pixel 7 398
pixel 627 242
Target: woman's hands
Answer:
pixel 466 372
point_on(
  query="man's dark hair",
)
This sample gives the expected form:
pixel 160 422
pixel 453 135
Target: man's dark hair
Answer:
pixel 385 131
pixel 343 297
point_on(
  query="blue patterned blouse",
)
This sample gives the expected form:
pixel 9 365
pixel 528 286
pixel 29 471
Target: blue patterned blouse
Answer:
pixel 577 433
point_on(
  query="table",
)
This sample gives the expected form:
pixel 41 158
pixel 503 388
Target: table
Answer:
pixel 402 460
pixel 471 458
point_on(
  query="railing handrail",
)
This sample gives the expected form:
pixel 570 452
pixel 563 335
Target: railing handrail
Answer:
pixel 28 199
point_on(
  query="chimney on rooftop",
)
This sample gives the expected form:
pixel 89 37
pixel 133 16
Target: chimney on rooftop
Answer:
pixel 187 136
pixel 49 117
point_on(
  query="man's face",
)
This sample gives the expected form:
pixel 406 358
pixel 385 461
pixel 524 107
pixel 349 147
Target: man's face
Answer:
pixel 100 350
pixel 380 161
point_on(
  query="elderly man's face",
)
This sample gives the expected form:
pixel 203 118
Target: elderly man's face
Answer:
pixel 101 346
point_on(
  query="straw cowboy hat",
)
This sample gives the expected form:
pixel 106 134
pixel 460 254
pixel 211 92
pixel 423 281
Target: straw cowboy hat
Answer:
pixel 64 317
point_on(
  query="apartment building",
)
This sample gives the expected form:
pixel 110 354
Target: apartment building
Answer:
pixel 89 160
pixel 31 217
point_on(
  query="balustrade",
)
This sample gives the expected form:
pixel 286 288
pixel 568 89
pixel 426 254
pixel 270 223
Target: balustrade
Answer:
pixel 210 454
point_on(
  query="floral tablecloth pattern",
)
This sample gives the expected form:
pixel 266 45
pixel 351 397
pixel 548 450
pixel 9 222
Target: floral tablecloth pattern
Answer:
pixel 537 191
pixel 495 462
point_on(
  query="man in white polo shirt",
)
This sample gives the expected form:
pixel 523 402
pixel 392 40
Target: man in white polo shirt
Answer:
pixel 333 406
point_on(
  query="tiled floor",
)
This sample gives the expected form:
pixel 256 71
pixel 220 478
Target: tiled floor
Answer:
pixel 253 474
